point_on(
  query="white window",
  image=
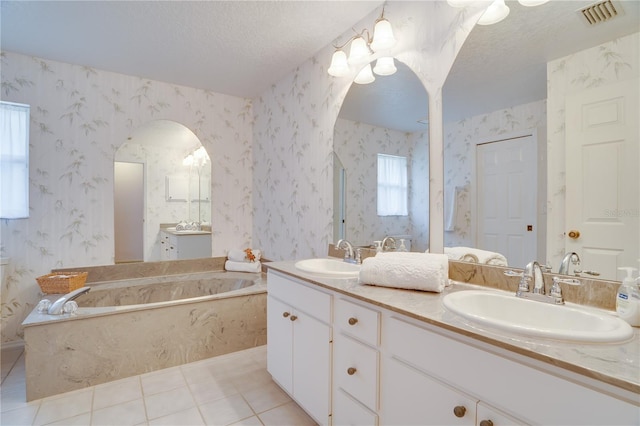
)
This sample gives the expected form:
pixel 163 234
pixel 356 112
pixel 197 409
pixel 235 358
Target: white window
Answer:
pixel 14 160
pixel 392 185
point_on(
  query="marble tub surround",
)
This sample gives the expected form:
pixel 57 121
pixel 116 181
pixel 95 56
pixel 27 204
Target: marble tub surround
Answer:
pixel 610 368
pixel 102 344
pixel 591 292
pixel 124 271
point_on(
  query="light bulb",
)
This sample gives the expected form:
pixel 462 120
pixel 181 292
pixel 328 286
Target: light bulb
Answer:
pixel 383 38
pixel 339 66
pixel 365 76
pixel 459 3
pixel 495 13
pixel 531 3
pixel 359 52
pixel 188 160
pixel 385 66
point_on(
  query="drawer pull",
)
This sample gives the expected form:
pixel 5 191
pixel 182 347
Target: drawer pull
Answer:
pixel 459 410
pixel 486 423
pixel 285 314
pixel 351 371
pixel 293 318
pixel 353 321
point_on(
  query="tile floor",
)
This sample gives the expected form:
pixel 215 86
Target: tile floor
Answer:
pixel 232 389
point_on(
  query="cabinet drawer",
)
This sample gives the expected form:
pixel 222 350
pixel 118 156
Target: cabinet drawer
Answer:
pixel 348 411
pixel 358 321
pixel 289 290
pixel 355 369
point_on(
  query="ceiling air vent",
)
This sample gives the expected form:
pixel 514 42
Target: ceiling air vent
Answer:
pixel 600 12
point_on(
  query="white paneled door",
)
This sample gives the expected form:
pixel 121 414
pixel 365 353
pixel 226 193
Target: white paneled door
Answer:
pixel 507 198
pixel 602 212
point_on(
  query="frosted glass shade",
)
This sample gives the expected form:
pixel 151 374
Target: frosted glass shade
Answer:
pixel 495 13
pixel 382 36
pixel 359 52
pixel 385 66
pixel 459 3
pixel 339 66
pixel 531 3
pixel 365 76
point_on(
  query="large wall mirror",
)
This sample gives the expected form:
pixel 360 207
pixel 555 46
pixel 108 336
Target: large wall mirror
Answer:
pixel 387 116
pixel 499 92
pixel 154 185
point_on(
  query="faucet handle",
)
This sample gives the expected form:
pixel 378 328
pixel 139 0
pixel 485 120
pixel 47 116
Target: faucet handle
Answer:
pixel 555 290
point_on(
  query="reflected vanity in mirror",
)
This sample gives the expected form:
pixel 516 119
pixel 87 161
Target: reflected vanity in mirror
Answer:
pixel 158 184
pixel 509 84
pixel 387 116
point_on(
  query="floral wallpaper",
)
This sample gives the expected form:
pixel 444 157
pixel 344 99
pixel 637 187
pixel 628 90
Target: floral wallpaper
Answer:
pixel 79 118
pixel 608 63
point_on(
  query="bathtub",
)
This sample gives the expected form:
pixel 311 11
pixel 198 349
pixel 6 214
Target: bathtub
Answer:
pixel 128 327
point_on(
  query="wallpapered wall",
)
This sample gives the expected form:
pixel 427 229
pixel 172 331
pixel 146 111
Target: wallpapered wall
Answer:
pixel 79 117
pixel 357 145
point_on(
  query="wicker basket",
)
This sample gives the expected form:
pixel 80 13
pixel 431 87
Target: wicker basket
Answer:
pixel 61 282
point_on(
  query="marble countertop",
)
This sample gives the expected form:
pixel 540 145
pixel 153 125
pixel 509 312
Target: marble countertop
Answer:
pixel 612 364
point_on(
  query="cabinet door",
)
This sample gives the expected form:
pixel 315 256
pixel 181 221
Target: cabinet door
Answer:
pixel 489 416
pixel 279 343
pixel 349 411
pixel 410 397
pixel 311 365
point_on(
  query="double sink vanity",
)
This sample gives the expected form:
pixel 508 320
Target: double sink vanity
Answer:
pixel 350 353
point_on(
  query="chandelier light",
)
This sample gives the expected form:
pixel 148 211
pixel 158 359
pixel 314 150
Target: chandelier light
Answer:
pixel 360 51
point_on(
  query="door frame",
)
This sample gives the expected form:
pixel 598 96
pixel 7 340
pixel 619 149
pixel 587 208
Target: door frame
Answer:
pixel 538 134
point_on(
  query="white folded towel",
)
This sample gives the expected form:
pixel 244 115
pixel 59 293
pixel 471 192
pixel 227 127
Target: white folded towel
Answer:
pixel 254 267
pixel 414 271
pixel 237 255
pixel 469 254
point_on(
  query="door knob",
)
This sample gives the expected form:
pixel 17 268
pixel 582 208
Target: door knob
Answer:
pixel 573 234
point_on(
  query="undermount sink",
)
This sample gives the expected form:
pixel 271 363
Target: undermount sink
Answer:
pixel 330 267
pixel 537 319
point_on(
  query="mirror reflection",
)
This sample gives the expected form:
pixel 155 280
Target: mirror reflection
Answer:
pixel 512 100
pixel 162 179
pixel 382 123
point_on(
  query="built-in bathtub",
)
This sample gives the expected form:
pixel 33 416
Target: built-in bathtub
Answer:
pixel 127 327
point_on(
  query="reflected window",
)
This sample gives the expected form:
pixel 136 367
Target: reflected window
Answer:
pixel 392 185
pixel 14 160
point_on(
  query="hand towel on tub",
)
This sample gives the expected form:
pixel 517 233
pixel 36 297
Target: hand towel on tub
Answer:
pixel 254 267
pixel 469 254
pixel 413 271
pixel 237 255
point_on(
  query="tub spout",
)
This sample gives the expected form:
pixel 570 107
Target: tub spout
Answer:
pixel 57 306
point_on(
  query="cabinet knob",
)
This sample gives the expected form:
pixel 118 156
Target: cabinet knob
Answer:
pixel 351 371
pixel 353 321
pixel 459 410
pixel 285 314
pixel 486 423
pixel 293 318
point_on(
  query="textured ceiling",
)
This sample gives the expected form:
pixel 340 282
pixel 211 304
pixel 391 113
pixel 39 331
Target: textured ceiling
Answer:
pixel 242 47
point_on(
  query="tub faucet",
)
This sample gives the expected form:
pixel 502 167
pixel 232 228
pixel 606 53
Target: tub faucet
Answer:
pixel 564 265
pixel 56 307
pixel 349 254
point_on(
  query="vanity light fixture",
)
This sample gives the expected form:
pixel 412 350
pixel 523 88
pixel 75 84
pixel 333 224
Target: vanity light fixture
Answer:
pixel 532 3
pixel 197 158
pixel 496 12
pixel 361 49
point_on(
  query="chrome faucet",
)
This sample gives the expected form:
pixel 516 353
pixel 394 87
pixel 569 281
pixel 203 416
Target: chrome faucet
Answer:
pixel 350 255
pixel 564 265
pixel 56 307
pixel 388 247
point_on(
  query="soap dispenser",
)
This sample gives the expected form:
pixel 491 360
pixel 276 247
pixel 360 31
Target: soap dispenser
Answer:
pixel 628 298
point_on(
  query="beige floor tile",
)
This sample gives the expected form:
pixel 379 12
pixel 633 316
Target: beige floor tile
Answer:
pixel 252 379
pixel 81 420
pixel 162 380
pixel 117 392
pixel 14 398
pixel 127 413
pixel 212 390
pixel 190 417
pixel 169 402
pixel 64 406
pixel 266 397
pixel 20 416
pixel 286 415
pixel 226 411
pixel 251 421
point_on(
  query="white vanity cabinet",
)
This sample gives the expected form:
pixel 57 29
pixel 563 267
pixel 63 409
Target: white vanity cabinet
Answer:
pixel 299 343
pixel 186 246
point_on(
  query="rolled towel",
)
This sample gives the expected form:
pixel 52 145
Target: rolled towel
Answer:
pixel 254 267
pixel 414 271
pixel 470 254
pixel 238 255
